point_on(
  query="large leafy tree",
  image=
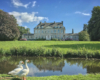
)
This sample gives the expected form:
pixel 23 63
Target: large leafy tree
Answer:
pixel 8 27
pixel 84 36
pixel 23 30
pixel 85 27
pixel 94 24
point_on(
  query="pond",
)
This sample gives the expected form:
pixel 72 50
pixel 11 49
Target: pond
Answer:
pixel 42 66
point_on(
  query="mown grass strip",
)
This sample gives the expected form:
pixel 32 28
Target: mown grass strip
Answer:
pixel 61 77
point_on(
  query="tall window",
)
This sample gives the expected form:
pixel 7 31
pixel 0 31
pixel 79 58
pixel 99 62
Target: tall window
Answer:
pixel 58 31
pixel 58 26
pixel 35 31
pixel 38 31
pixel 55 31
pixel 61 31
pixel 42 31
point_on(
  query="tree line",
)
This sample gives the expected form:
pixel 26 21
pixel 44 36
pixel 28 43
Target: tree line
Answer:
pixel 91 31
pixel 10 30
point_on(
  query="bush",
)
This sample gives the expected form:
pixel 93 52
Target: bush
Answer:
pixel 54 39
pixel 68 39
pixel 54 52
pixel 24 39
pixel 84 36
pixel 40 39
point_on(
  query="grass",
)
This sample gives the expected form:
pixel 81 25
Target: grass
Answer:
pixel 84 49
pixel 62 77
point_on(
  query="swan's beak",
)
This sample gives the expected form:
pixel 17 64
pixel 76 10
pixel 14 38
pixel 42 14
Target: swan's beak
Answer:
pixel 28 60
pixel 22 62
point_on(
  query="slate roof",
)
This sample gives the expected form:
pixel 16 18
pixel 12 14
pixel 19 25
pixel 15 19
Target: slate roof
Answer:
pixel 60 24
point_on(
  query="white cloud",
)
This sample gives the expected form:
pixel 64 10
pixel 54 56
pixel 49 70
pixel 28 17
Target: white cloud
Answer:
pixel 26 27
pixel 85 14
pixel 34 2
pixel 17 3
pixel 27 17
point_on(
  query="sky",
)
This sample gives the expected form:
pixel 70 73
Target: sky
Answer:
pixel 73 13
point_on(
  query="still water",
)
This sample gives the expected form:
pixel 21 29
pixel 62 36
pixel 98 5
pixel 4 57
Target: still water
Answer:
pixel 40 66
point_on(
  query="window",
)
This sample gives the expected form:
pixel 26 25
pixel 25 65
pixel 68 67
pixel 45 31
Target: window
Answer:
pixel 58 26
pixel 55 31
pixel 58 31
pixel 35 31
pixel 41 26
pixel 70 36
pixel 42 31
pixel 55 26
pixel 61 26
pixel 61 31
pixel 38 31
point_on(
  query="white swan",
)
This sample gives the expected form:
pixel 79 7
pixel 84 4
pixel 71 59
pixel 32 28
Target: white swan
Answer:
pixel 23 72
pixel 16 70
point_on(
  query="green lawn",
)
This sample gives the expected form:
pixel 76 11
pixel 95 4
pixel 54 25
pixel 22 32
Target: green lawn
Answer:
pixel 71 48
pixel 64 45
pixel 62 77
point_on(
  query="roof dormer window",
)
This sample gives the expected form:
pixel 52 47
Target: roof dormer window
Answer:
pixel 61 26
pixel 58 26
pixel 41 26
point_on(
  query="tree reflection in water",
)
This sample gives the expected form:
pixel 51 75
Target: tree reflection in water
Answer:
pixel 51 64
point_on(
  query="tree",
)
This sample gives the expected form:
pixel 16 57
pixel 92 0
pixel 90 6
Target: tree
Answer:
pixel 84 36
pixel 94 24
pixel 72 31
pixel 22 30
pixel 85 27
pixel 8 27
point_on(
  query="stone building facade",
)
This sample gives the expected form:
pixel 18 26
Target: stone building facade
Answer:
pixel 50 31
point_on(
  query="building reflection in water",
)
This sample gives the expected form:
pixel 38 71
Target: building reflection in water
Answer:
pixel 50 64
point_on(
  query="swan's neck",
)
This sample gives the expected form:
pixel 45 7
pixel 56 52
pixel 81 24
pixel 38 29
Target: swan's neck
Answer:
pixel 26 65
pixel 20 65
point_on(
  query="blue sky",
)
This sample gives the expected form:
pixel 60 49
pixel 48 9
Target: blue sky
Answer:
pixel 73 13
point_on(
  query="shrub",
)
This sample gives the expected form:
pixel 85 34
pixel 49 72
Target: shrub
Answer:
pixel 54 39
pixel 23 39
pixel 2 51
pixel 68 39
pixel 63 39
pixel 84 36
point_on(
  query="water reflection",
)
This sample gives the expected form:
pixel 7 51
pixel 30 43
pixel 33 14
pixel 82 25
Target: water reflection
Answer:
pixel 51 66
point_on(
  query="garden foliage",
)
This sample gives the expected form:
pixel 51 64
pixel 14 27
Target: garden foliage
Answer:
pixel 8 27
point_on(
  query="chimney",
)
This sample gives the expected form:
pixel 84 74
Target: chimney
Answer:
pixel 62 22
pixel 54 21
pixel 40 22
pixel 44 21
pixel 72 31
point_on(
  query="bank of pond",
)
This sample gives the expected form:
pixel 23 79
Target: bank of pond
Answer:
pixel 53 52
